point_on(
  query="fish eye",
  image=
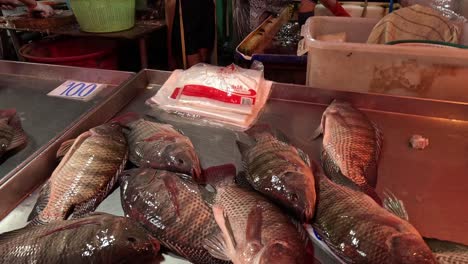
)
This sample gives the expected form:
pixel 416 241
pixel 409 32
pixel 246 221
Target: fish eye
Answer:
pixel 294 197
pixel 131 239
pixel 181 161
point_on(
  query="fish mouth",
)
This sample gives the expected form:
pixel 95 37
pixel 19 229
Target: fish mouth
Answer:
pixel 307 214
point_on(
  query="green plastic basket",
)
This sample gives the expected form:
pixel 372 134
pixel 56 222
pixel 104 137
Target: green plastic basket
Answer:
pixel 101 16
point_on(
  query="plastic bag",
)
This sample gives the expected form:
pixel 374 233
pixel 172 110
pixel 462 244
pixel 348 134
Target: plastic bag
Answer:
pixel 449 8
pixel 216 95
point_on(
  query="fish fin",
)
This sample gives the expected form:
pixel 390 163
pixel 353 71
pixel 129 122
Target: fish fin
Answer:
pixel 37 221
pixel 85 208
pixel 303 235
pixel 73 148
pixel 243 147
pixel 222 175
pixel 260 131
pixel 126 118
pixel 379 140
pixel 225 225
pixel 72 225
pixel 334 249
pixel 395 206
pixel 7 113
pixel 4 237
pixel 19 137
pixel 253 232
pixel 317 133
pixel 208 194
pixel 64 148
pixel 41 202
pixel 241 179
pixel 216 246
pixel 304 156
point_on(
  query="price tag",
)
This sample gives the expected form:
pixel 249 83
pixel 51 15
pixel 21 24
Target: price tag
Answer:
pixel 77 90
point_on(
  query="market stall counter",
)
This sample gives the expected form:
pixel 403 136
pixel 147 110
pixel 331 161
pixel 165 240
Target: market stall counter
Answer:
pixel 426 180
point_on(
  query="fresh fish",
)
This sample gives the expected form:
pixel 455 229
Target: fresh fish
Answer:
pixel 351 147
pixel 85 176
pixel 11 133
pixel 253 230
pixel 98 238
pixel 447 252
pixel 361 231
pixel 171 206
pixel 281 172
pixel 159 146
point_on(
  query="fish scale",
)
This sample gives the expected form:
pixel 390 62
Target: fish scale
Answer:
pixel 161 146
pixel 275 226
pixel 171 207
pixel 99 238
pixel 277 170
pixel 87 172
pixel 351 147
pixel 361 231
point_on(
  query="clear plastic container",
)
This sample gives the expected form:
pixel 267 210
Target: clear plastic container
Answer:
pixel 429 72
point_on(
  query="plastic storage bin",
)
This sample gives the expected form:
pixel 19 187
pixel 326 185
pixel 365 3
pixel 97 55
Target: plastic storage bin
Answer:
pixel 429 72
pixel 356 9
pixel 101 16
pixel 79 52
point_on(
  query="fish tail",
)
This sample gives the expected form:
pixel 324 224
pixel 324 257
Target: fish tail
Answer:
pixel 37 221
pixel 126 118
pixel 19 136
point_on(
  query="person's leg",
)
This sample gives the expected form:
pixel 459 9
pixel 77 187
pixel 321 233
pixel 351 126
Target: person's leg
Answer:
pixel 193 59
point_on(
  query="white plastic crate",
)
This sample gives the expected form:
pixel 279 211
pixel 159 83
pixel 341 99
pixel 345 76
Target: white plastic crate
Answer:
pixel 429 72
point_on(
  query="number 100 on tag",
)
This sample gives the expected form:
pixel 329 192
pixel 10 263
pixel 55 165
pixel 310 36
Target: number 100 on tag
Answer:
pixel 77 90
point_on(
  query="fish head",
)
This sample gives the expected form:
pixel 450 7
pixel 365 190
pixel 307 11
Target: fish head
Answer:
pixel 112 130
pixel 409 248
pixel 280 253
pixel 180 157
pixel 296 191
pixel 134 241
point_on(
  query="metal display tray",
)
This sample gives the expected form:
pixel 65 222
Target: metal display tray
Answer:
pixel 432 183
pixel 46 120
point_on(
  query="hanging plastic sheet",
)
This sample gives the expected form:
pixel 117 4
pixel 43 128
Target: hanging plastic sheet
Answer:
pixel 449 8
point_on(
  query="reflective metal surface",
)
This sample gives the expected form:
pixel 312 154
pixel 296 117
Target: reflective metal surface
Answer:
pixel 48 121
pixel 432 183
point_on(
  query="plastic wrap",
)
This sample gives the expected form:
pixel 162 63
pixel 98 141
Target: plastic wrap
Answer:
pixel 220 96
pixel 449 8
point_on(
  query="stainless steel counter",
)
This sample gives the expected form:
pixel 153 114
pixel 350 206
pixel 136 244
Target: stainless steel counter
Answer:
pixel 46 120
pixel 432 183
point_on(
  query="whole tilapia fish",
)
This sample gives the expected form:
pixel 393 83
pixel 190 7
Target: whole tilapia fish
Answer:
pixel 171 206
pixel 361 231
pixel 447 252
pixel 253 230
pixel 11 133
pixel 159 146
pixel 282 173
pixel 351 147
pixel 85 176
pixel 98 238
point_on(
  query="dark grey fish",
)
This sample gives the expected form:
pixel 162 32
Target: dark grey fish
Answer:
pixel 171 207
pixel 282 173
pixel 159 146
pixel 98 238
pixel 12 135
pixel 447 252
pixel 360 231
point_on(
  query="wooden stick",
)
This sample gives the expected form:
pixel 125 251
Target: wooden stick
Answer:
pixel 182 35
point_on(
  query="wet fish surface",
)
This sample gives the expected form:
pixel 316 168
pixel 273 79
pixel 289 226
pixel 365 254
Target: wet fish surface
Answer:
pixel 253 229
pixel 159 146
pixel 447 252
pixel 351 147
pixel 361 231
pixel 98 238
pixel 171 207
pixel 282 173
pixel 85 176
pixel 12 135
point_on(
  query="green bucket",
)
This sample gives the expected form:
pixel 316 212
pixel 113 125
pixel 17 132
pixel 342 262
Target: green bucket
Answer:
pixel 101 16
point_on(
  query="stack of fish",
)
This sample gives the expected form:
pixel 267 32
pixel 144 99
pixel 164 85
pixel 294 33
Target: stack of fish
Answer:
pixel 256 216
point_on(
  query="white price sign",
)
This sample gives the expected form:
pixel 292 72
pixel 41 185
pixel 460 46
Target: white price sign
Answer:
pixel 76 90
